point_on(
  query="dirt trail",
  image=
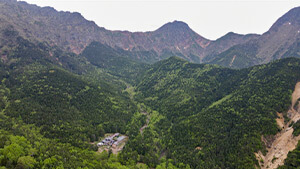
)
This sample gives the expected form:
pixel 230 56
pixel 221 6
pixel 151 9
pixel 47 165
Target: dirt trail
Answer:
pixel 284 141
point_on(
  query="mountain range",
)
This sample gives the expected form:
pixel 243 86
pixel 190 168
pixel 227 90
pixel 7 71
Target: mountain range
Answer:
pixel 73 32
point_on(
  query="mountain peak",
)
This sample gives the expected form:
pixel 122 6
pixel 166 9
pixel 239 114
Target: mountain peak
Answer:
pixel 175 25
pixel 230 35
pixel 292 17
pixel 178 23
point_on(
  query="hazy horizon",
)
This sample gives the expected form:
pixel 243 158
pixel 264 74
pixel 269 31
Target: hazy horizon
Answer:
pixel 210 19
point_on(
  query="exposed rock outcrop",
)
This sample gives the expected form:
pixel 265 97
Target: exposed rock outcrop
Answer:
pixel 284 141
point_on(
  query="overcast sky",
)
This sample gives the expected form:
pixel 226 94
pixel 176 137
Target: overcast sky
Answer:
pixel 209 18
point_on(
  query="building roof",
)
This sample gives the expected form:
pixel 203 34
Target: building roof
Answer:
pixel 121 138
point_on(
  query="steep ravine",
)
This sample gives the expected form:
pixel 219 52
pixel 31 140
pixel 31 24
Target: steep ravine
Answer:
pixel 284 141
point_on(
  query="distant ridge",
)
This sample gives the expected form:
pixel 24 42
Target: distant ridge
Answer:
pixel 280 41
pixel 73 32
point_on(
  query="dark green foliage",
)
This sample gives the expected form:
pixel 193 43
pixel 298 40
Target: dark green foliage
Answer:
pixel 176 86
pixel 296 127
pixel 66 106
pixel 223 111
pixel 117 62
pixel 239 56
pixel 45 92
pixel 22 146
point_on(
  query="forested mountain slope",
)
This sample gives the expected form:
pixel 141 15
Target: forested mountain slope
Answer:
pixel 214 117
pixel 53 104
pixel 23 146
pixel 116 62
pixel 196 115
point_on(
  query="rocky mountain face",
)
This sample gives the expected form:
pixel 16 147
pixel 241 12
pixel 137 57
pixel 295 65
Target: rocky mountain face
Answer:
pixel 275 43
pixel 69 30
pixel 73 32
pixel 280 41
